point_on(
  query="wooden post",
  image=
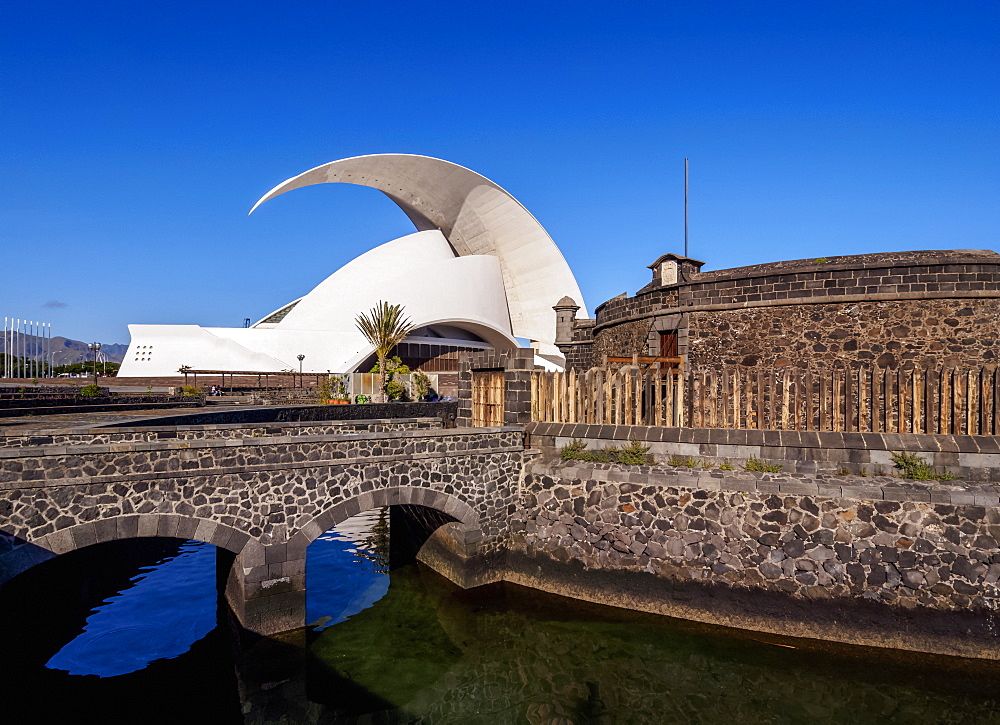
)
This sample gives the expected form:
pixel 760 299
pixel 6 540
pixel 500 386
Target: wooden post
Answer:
pixel 657 395
pixel 849 398
pixel 808 399
pixel 824 423
pixel 970 404
pixel 608 392
pixel 786 397
pixel 725 396
pixel 956 401
pixel 571 390
pixel 684 409
pixel 760 400
pixel 737 384
pixel 996 400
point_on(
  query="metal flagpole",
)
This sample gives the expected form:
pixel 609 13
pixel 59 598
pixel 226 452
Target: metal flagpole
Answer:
pixel 6 352
pixel 685 207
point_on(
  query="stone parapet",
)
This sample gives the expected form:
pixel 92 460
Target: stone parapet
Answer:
pixel 975 458
pixel 91 435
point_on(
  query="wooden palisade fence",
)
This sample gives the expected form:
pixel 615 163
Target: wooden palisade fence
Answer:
pixel 961 401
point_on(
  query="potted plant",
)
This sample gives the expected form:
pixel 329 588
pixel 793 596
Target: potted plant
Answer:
pixel 333 391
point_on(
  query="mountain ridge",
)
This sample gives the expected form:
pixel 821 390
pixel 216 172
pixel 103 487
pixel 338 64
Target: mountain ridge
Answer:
pixel 65 351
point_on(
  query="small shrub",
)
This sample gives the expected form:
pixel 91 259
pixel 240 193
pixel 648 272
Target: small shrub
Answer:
pixel 190 390
pixel 727 466
pixel 635 454
pixel 421 385
pixel 361 399
pixel 323 391
pixel 914 467
pixel 572 451
pixel 843 471
pixel 395 390
pixel 863 472
pixel 757 465
pixel 604 455
pixel 688 462
pixel 821 260
pixel 90 391
pixel 149 389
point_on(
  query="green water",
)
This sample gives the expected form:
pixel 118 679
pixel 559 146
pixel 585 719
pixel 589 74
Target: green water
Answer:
pixel 427 652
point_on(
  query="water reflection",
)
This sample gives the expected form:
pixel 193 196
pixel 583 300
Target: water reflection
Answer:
pixel 346 569
pixel 133 627
pixel 429 653
pixel 411 647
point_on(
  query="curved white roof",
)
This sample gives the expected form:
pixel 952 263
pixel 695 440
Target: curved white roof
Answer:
pixel 476 216
pixel 419 271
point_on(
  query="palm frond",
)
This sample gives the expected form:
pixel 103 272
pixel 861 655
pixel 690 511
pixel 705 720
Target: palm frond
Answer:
pixel 384 326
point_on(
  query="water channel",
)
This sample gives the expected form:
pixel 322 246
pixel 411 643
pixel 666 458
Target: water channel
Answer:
pixel 133 632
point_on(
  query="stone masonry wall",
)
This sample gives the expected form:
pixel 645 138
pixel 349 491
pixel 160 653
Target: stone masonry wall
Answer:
pixel 931 332
pixel 925 308
pixel 771 541
pixel 517 365
pixel 624 340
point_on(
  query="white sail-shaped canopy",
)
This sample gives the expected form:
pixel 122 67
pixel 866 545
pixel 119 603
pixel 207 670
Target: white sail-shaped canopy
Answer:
pixel 477 217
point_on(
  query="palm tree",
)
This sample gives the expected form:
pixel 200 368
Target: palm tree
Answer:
pixel 384 327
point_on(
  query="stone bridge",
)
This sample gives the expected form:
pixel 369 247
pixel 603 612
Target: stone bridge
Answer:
pixel 262 492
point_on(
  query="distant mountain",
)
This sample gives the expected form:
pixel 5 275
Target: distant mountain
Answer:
pixel 64 350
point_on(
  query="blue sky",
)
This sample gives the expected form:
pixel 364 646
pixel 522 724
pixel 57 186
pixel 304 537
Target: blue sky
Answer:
pixel 135 137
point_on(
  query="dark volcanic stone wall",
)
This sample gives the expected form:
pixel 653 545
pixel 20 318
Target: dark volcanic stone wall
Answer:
pixel 684 536
pixel 626 339
pixel 888 334
pixel 923 308
pixel 579 353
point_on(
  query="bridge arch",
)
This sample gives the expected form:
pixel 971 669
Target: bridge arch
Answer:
pixel 31 552
pixel 464 514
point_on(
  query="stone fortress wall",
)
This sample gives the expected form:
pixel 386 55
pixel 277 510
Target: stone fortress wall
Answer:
pixel 768 552
pixel 924 308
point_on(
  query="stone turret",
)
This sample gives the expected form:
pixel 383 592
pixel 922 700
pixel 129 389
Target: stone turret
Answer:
pixel 673 269
pixel 566 310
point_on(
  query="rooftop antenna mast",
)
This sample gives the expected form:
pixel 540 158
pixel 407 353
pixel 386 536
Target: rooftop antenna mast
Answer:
pixel 685 207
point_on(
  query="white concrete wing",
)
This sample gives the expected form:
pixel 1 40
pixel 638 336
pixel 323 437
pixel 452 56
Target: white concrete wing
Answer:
pixel 419 271
pixel 477 217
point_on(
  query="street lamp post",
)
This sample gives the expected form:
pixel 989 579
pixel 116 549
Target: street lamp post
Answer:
pixel 301 358
pixel 95 347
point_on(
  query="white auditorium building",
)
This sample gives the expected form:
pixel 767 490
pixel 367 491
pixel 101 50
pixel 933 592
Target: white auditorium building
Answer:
pixel 479 272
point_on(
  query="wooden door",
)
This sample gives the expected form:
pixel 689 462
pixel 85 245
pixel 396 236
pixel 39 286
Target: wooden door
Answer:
pixel 487 398
pixel 668 344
